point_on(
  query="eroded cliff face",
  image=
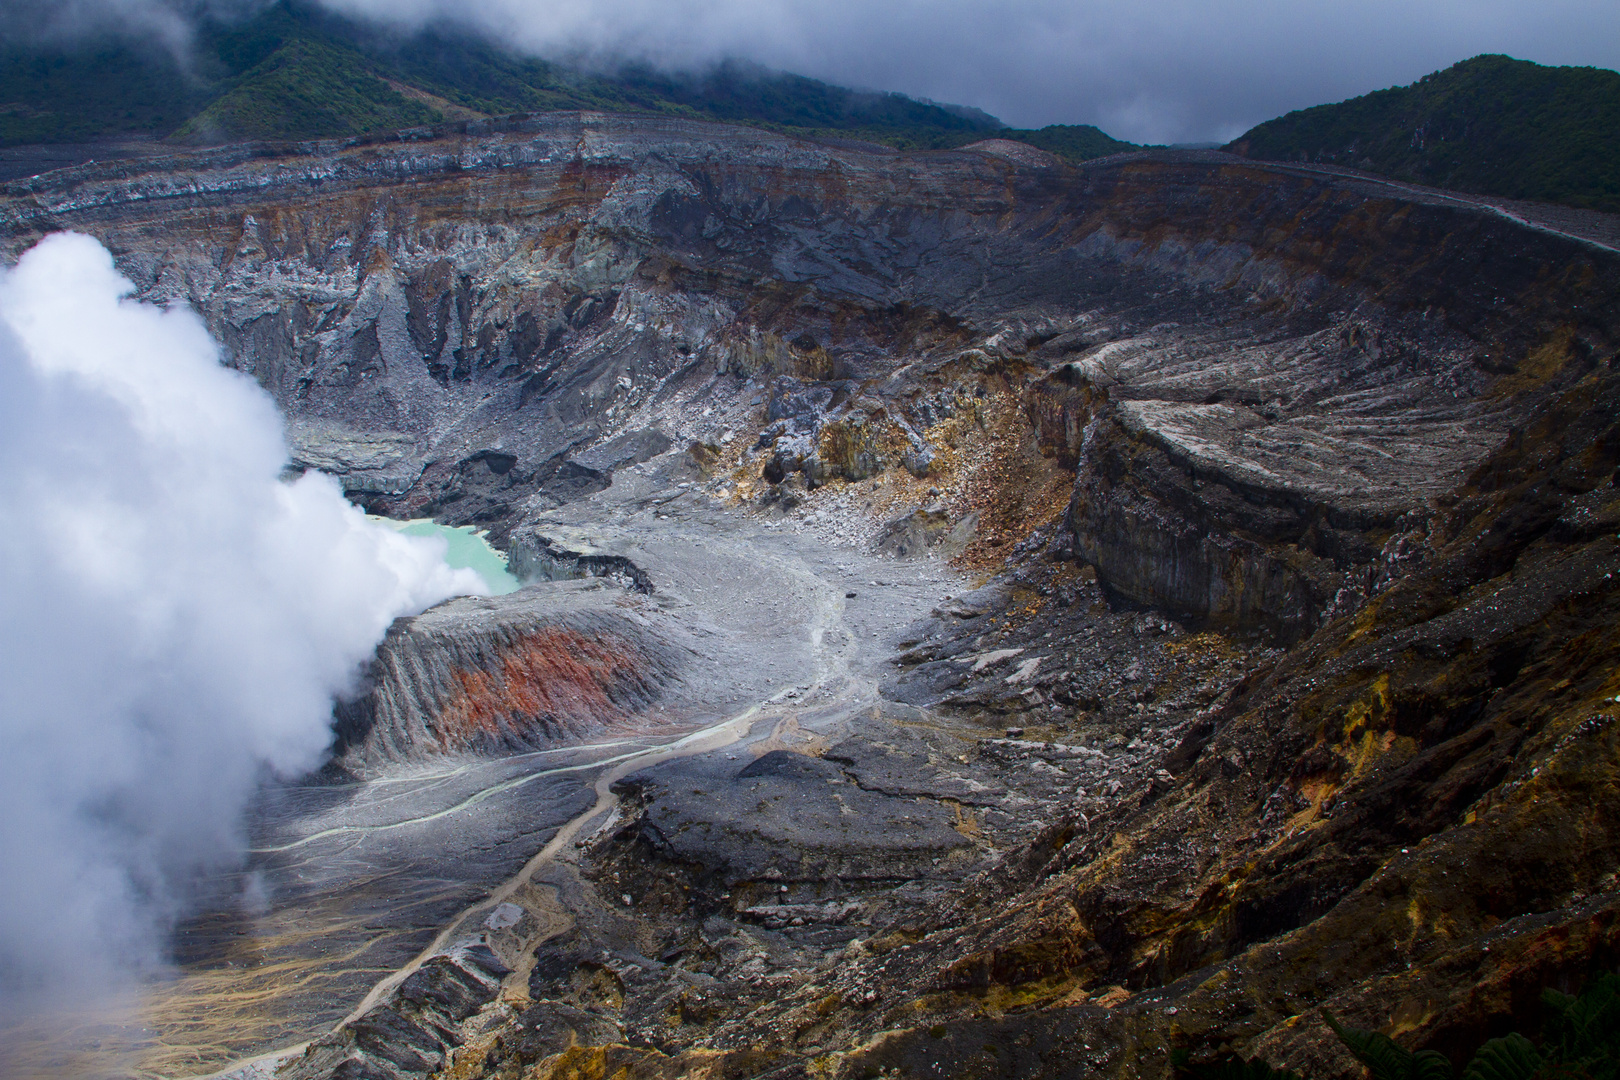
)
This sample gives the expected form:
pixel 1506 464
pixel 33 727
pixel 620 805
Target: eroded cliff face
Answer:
pixel 1301 493
pixel 1409 819
pixel 1277 366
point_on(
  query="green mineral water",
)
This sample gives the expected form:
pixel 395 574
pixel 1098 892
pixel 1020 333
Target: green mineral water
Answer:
pixel 467 549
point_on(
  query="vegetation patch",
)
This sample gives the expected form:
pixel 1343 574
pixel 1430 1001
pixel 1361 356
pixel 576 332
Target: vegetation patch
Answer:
pixel 1581 1040
pixel 295 71
pixel 1491 125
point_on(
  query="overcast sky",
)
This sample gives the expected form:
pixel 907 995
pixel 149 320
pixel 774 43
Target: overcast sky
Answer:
pixel 1145 70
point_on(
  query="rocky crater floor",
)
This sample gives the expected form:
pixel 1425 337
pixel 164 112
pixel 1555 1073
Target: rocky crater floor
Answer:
pixel 985 617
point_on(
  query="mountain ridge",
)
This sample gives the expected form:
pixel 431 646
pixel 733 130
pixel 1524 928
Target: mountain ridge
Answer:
pixel 295 72
pixel 1490 125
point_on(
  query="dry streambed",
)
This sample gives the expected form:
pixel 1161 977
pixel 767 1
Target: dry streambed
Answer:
pixel 389 871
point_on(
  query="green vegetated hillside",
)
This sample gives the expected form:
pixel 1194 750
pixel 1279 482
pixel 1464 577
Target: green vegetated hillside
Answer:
pixel 1491 125
pixel 294 71
pixel 47 97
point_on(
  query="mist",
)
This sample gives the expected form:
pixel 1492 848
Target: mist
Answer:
pixel 177 618
pixel 1156 71
pixel 166 24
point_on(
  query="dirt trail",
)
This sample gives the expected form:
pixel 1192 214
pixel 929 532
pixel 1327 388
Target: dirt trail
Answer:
pixel 710 738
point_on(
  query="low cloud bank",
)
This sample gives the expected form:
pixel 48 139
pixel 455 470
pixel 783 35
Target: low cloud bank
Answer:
pixel 174 619
pixel 1154 71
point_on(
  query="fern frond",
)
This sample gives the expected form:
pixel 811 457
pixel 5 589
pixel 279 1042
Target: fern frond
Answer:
pixel 1512 1057
pixel 1431 1065
pixel 1556 1001
pixel 1384 1058
pixel 1590 1023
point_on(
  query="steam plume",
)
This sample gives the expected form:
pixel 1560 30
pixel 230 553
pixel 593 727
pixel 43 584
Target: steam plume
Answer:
pixel 176 619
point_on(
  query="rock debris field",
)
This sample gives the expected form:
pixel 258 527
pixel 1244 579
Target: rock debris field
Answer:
pixel 983 617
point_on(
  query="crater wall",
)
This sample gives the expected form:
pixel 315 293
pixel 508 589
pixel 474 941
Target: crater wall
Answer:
pixel 1282 365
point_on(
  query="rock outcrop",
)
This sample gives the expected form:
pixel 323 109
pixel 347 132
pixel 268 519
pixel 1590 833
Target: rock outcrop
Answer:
pixel 525 671
pixel 412 1033
pixel 553 554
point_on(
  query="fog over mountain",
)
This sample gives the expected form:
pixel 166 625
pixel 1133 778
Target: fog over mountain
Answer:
pixel 1171 70
pixel 178 618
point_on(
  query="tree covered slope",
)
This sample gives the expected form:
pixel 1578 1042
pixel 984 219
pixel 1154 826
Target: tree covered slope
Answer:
pixel 1491 125
pixel 294 71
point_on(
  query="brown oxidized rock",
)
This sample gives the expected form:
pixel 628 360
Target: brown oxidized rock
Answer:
pixel 498 674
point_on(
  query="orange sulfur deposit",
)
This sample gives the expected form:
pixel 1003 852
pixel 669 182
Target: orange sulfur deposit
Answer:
pixel 502 674
pixel 553 679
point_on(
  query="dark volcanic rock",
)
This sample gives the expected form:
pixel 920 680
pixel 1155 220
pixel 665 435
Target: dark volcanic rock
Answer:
pixel 786 818
pixel 1296 493
pixel 1222 553
pixel 412 1033
pixel 542 554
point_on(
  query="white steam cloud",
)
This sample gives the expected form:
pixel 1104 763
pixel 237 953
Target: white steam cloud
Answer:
pixel 174 619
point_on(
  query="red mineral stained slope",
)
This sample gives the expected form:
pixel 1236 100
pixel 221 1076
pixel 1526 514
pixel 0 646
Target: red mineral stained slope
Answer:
pixel 555 678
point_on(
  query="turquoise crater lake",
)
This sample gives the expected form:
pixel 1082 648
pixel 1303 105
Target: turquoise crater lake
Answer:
pixel 466 549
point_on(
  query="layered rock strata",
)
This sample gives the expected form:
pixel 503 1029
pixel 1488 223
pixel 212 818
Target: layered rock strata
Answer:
pixel 1277 365
pixel 525 671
